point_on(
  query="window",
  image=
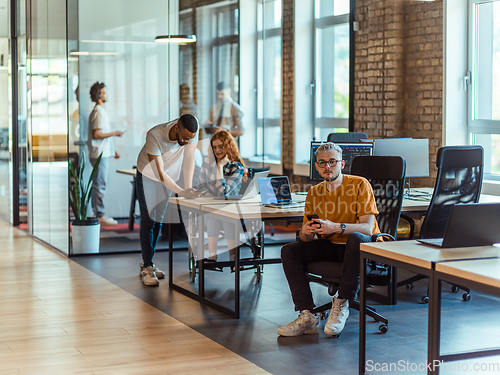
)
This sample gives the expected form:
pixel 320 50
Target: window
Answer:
pixel 331 70
pixel 484 97
pixel 269 78
pixel 322 56
pixel 261 62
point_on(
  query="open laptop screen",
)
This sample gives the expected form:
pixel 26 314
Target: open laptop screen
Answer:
pixel 275 190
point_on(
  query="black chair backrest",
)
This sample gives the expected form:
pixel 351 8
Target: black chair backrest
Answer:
pixel 347 137
pixel 386 174
pixel 458 181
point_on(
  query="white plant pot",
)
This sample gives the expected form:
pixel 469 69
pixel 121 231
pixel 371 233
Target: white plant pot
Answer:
pixel 85 238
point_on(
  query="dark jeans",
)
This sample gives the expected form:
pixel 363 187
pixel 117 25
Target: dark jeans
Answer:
pixel 151 220
pixel 296 256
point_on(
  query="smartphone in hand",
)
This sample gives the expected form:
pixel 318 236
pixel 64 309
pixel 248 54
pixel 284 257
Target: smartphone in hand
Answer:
pixel 312 217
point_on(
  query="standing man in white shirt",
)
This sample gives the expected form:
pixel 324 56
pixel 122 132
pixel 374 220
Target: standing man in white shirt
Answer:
pixel 169 149
pixel 99 140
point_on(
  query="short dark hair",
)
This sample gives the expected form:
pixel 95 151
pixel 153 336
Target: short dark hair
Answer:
pixel 95 91
pixel 221 86
pixel 188 122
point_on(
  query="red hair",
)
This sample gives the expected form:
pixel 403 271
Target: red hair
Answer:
pixel 233 153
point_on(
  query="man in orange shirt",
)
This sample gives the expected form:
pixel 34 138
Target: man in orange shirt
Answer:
pixel 346 209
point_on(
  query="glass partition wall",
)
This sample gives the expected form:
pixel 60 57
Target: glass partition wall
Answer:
pixel 64 47
pixel 46 126
pixel 6 170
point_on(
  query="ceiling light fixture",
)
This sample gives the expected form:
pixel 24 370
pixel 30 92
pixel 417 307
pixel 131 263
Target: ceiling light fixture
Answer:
pixel 82 53
pixel 176 39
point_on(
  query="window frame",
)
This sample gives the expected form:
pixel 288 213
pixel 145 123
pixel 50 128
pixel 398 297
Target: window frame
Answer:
pixel 479 130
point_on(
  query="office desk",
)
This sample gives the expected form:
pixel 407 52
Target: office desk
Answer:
pixel 421 204
pixel 419 259
pixel 133 173
pixel 480 274
pixel 234 212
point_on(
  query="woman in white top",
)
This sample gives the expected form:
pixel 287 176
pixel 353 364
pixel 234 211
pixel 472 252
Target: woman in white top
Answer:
pixel 99 141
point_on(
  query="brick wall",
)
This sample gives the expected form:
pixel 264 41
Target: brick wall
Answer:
pixel 288 88
pixel 399 72
pixel 398 78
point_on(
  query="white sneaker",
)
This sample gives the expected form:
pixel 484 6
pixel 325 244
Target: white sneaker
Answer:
pixel 103 220
pixel 305 324
pixel 158 272
pixel 149 277
pixel 338 316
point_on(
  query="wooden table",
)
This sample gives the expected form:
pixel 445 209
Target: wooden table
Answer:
pixel 420 259
pixel 480 274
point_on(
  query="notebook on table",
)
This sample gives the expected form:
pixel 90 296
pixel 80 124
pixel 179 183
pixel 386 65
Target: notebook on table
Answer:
pixel 275 192
pixel 470 225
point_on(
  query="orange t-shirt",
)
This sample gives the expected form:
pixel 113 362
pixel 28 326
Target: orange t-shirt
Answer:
pixel 354 198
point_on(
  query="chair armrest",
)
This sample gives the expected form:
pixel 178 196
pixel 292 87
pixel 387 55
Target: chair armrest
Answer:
pixel 410 221
pixel 385 235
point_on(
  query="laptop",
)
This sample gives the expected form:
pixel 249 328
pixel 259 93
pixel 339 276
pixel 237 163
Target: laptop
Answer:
pixel 275 192
pixel 470 225
pixel 252 189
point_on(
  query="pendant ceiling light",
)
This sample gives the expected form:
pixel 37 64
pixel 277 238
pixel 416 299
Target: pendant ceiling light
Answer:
pixel 177 39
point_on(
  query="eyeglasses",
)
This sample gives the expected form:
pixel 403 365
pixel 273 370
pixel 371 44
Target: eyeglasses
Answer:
pixel 218 147
pixel 331 163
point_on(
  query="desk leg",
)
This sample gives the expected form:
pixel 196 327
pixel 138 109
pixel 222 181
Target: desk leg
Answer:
pixel 170 255
pixel 362 316
pixel 434 330
pixel 131 218
pixel 200 256
pixel 237 272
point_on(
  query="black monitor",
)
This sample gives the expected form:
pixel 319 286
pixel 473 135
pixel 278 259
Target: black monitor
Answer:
pixel 349 151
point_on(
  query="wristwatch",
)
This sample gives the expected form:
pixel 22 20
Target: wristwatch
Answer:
pixel 343 226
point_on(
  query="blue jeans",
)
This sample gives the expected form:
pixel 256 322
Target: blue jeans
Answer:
pixel 151 219
pixel 296 256
pixel 99 186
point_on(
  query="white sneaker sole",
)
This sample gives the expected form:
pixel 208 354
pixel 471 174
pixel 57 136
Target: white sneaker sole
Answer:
pixel 150 282
pixel 159 275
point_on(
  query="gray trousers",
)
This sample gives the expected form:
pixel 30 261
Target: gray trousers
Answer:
pixel 99 186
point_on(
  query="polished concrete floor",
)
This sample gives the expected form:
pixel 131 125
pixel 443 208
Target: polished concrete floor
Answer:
pixel 267 305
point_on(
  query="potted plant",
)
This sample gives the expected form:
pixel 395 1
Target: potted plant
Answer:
pixel 85 230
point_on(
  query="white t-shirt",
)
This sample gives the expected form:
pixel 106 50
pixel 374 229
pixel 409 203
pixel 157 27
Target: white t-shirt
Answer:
pixel 98 119
pixel 158 143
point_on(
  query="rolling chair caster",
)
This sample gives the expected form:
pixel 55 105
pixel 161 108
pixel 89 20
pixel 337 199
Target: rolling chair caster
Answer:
pixel 383 328
pixel 425 299
pixel 466 297
pixel 409 286
pixel 454 289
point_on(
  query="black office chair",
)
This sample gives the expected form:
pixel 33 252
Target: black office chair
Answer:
pixel 458 181
pixel 386 175
pixel 347 137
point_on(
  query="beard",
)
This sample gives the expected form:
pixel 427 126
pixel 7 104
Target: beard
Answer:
pixel 331 177
pixel 179 140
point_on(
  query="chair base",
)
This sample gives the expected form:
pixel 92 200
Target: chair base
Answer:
pixel 370 311
pixel 425 299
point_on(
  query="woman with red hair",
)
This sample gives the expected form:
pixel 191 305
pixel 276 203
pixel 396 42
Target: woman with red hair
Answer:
pixel 221 175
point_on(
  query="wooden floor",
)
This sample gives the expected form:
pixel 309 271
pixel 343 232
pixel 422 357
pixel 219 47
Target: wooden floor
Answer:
pixel 57 317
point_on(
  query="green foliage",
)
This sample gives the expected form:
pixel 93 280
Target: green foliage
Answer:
pixel 79 190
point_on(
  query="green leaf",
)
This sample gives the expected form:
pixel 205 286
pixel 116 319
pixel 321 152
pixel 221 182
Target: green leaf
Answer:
pixel 80 190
